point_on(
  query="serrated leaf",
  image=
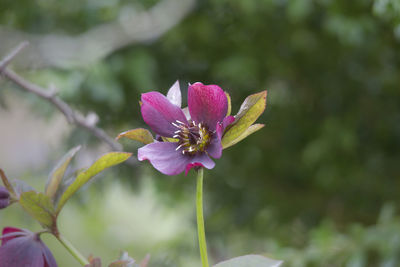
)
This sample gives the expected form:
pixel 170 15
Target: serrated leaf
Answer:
pixel 39 206
pixel 174 94
pixel 58 172
pixel 106 161
pixel 252 129
pixel 250 261
pixel 228 97
pixel 252 107
pixel 139 134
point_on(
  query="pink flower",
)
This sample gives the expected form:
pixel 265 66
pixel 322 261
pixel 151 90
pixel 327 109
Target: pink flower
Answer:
pixel 191 139
pixel 22 248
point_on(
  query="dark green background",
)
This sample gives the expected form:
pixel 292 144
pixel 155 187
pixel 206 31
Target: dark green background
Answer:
pixel 315 180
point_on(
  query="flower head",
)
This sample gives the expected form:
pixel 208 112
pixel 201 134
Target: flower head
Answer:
pixel 189 140
pixel 4 197
pixel 22 248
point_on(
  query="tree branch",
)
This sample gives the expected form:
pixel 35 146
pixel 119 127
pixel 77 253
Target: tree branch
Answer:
pixel 72 116
pixel 71 51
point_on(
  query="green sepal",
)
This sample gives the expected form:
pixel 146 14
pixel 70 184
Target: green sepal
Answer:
pixel 142 135
pixel 252 107
pixel 228 97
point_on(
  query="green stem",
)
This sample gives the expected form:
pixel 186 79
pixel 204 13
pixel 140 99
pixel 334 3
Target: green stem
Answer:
pixel 72 250
pixel 200 219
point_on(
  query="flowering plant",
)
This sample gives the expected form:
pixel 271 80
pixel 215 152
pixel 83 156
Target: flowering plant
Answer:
pixel 188 138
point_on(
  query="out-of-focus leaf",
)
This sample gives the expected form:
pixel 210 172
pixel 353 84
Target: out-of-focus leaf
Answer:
pixel 250 261
pixel 39 206
pixel 21 187
pixel 174 94
pixel 95 262
pixel 7 183
pixel 252 107
pixel 139 134
pixel 106 161
pixel 229 104
pixel 58 172
pixel 253 128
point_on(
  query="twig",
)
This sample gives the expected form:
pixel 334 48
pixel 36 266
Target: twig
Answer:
pixel 7 59
pixel 71 116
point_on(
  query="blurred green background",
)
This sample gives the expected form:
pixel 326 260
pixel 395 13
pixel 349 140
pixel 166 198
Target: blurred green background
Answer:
pixel 318 186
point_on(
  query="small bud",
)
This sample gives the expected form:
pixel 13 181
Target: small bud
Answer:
pixel 4 197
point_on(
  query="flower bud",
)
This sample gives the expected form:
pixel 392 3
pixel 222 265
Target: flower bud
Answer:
pixel 4 197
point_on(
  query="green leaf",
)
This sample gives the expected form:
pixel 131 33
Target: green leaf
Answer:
pixel 40 207
pixel 250 261
pixel 252 129
pixel 106 161
pixel 252 107
pixel 139 134
pixel 58 172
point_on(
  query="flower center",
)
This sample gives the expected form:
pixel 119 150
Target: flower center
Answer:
pixel 193 137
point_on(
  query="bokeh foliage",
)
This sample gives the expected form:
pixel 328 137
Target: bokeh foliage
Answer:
pixel 330 148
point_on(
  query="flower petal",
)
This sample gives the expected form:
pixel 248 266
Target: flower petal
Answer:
pixel 164 157
pixel 207 104
pixel 200 160
pixel 215 147
pixel 10 233
pixel 22 252
pixel 159 113
pixel 48 257
pixel 174 94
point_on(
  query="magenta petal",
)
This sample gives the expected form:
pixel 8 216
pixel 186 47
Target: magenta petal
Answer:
pixel 159 113
pixel 200 160
pixel 207 104
pixel 164 157
pixel 10 233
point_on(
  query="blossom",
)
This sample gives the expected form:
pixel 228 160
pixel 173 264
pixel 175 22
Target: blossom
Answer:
pixel 4 197
pixel 187 140
pixel 22 248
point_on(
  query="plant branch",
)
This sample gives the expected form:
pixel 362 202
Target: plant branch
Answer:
pixel 7 59
pixel 72 116
pixel 72 250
